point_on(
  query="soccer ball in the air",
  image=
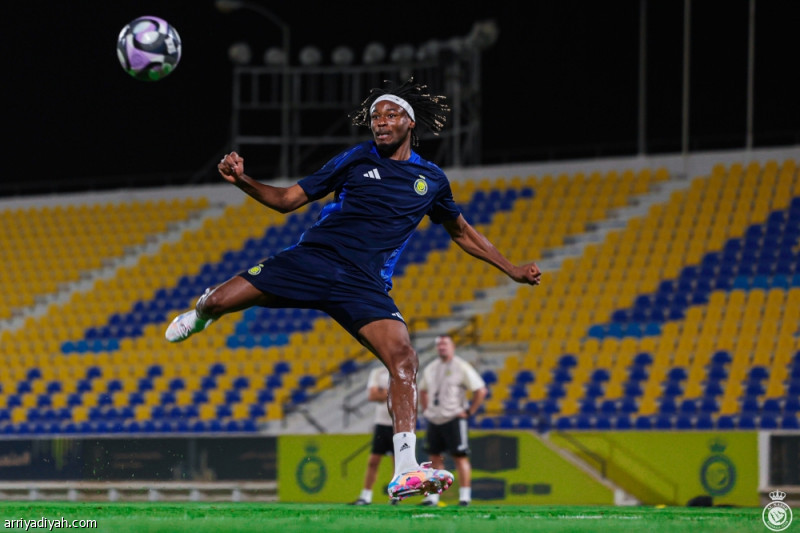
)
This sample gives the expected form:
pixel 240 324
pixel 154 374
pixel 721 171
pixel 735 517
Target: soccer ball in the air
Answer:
pixel 149 48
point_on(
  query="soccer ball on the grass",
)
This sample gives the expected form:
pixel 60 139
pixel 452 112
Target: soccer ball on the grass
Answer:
pixel 149 48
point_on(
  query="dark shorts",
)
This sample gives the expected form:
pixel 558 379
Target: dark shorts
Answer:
pixel 310 277
pixel 449 437
pixel 383 440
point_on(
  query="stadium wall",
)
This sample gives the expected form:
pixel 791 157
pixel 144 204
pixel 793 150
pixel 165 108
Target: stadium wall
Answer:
pixel 509 467
pixel 672 467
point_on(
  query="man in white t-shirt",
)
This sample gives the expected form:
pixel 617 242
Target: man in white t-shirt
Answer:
pixel 382 436
pixel 443 395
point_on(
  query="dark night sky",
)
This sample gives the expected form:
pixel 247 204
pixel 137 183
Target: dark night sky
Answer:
pixel 561 80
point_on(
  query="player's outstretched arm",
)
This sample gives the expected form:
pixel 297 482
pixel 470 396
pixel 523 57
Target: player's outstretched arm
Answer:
pixel 281 199
pixel 475 244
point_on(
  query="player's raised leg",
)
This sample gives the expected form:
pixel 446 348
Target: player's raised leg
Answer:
pixel 234 295
pixel 389 340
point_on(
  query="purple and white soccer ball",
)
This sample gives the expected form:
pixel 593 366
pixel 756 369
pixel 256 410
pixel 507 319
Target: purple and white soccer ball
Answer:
pixel 149 48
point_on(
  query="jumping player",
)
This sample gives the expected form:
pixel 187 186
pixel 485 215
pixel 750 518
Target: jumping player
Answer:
pixel 343 263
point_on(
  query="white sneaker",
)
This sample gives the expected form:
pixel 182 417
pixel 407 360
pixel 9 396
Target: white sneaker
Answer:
pixel 185 325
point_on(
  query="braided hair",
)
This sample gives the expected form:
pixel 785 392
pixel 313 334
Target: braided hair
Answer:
pixel 430 110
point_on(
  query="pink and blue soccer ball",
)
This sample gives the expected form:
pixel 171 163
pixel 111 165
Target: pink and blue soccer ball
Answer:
pixel 149 48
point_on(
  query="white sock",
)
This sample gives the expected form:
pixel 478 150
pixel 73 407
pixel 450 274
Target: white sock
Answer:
pixel 405 452
pixel 366 495
pixel 464 494
pixel 433 498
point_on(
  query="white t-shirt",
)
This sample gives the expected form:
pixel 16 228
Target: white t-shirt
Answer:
pixel 447 385
pixel 379 377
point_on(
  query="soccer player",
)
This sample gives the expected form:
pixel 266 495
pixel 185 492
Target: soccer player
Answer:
pixel 443 397
pixel 343 263
pixel 377 392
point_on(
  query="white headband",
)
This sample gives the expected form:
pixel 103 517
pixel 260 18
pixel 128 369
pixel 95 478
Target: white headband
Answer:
pixel 394 99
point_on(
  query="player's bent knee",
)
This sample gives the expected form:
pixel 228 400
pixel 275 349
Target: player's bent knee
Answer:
pixel 211 303
pixel 404 363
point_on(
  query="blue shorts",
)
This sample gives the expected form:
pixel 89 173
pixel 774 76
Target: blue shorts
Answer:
pixel 311 277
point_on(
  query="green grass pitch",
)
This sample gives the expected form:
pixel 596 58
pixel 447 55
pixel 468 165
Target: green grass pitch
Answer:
pixel 287 517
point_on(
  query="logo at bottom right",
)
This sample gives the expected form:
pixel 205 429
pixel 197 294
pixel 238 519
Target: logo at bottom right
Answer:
pixel 777 516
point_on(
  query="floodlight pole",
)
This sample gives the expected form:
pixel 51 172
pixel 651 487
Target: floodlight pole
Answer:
pixel 687 28
pixel 642 126
pixel 751 45
pixel 226 6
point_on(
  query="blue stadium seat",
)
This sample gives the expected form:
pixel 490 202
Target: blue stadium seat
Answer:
pixel 758 373
pixel 688 406
pixel 638 373
pixel 708 405
pixel 584 422
pixel 511 406
pixel 506 422
pixel 673 388
pixel 717 371
pixel 233 396
pixel 549 406
pixel 487 423
pixel 567 361
pixel 490 377
pixel 564 423
pixel 772 406
pixel 643 359
pixel 307 381
pixel 525 376
pixel 562 375
pixel 588 406
pixel 609 407
pixel 556 391
pixel 518 392
pixel 768 421
pixel 623 422
pixel 531 408
pixel 751 405
pixel 594 390
pixel 790 421
pixel 714 387
pixel 726 422
pixel 662 422
pixel 525 422
pixel 747 421
pixel 603 422
pixel 633 389
pixel 281 367
pixel 299 396
pixel 704 421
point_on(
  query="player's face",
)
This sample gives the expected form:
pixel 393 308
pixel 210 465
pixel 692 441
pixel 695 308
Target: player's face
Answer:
pixel 391 126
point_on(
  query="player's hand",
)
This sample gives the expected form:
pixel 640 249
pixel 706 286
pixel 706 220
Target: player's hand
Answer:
pixel 231 167
pixel 529 274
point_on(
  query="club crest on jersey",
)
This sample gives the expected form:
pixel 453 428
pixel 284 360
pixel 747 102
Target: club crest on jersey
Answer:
pixel 256 270
pixel 421 186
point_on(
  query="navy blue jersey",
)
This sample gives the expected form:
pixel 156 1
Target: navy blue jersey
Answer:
pixel 377 205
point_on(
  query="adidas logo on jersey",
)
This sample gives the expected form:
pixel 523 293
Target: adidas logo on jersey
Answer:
pixel 373 174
